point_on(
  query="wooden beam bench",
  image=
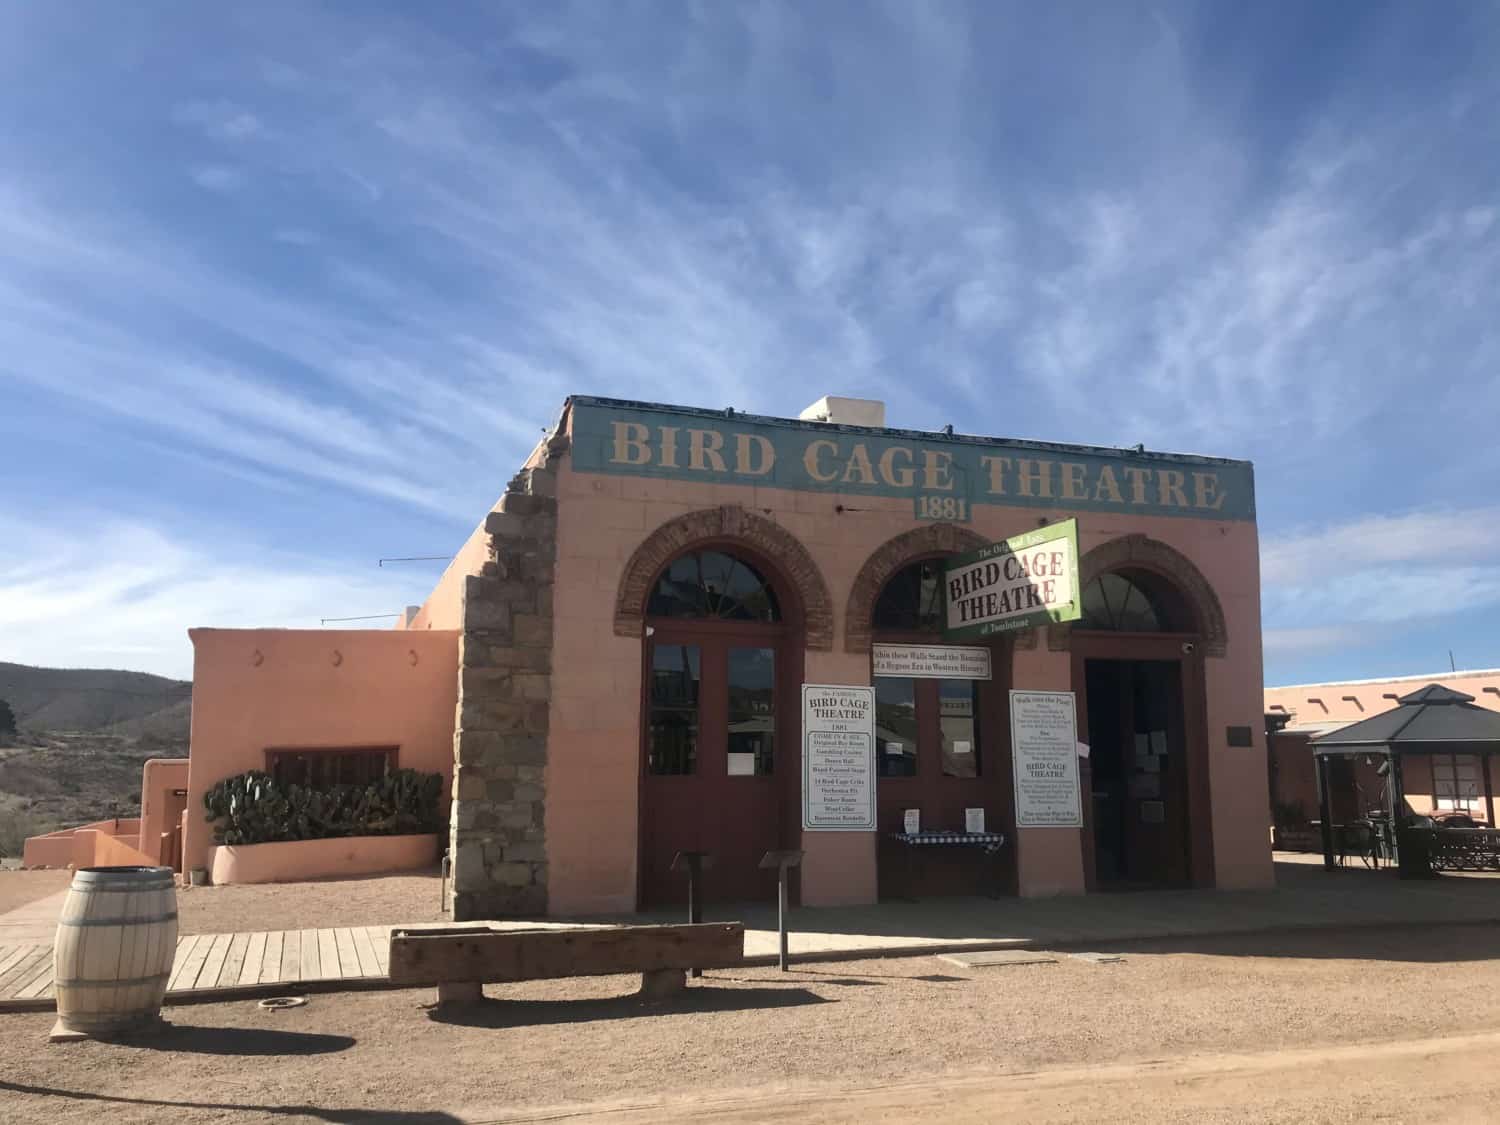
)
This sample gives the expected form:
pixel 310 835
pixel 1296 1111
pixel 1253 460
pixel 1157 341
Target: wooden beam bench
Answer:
pixel 459 960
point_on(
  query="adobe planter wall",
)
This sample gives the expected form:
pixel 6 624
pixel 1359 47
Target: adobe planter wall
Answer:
pixel 295 860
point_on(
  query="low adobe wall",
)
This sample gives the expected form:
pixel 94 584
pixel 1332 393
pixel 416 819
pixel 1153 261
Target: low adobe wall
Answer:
pixel 293 861
pixel 53 850
pixel 89 845
pixel 97 849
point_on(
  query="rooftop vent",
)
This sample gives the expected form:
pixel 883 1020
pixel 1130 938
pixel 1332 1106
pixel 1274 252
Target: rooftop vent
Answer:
pixel 846 411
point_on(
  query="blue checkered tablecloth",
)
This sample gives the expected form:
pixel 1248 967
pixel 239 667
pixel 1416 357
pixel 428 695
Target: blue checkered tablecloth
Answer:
pixel 991 841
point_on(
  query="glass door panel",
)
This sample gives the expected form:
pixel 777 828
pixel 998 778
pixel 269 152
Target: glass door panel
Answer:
pixel 896 729
pixel 752 712
pixel 676 679
pixel 958 721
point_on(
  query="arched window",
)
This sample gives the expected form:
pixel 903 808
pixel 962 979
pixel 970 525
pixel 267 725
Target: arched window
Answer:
pixel 714 585
pixel 912 599
pixel 1129 602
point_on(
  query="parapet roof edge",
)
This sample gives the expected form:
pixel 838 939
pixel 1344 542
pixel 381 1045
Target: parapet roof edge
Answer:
pixel 1430 677
pixel 923 435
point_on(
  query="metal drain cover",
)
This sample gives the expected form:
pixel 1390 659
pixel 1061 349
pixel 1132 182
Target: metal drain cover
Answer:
pixel 986 958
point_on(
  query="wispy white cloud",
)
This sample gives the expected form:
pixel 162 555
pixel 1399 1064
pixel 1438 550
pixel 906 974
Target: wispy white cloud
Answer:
pixel 1450 539
pixel 1363 580
pixel 1293 642
pixel 219 120
pixel 218 177
pixel 64 603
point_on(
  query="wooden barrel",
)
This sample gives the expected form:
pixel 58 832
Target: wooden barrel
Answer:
pixel 115 944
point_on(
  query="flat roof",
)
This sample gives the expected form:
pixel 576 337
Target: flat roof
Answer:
pixel 1432 676
pixel 888 431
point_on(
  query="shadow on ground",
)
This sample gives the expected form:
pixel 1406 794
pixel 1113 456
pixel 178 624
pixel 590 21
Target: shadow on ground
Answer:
pixel 1307 899
pixel 1421 943
pixel 318 1113
pixel 191 1039
pixel 507 1012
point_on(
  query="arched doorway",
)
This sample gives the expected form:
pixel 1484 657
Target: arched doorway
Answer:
pixel 942 744
pixel 722 659
pixel 1137 663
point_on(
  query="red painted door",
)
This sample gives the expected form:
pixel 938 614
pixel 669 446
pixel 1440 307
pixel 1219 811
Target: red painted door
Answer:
pixel 720 729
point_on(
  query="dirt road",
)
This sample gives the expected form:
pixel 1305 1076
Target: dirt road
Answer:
pixel 1443 1079
pixel 1312 1027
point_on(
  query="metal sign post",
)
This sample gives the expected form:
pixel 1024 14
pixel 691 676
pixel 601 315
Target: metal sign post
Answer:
pixel 695 864
pixel 782 861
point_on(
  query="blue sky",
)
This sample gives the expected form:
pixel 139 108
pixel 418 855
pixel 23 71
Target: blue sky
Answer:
pixel 285 288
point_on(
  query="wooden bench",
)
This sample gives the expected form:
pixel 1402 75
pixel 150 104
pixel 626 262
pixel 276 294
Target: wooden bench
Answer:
pixel 459 960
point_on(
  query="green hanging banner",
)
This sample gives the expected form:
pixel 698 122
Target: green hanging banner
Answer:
pixel 1020 583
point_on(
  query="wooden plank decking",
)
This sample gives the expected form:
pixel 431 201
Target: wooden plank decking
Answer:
pixel 209 961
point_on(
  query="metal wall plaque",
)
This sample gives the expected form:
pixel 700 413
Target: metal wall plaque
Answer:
pixel 1240 736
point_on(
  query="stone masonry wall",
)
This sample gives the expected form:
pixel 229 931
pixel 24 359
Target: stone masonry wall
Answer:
pixel 498 839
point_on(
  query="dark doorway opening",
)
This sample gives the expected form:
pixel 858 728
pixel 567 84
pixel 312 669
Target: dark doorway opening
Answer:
pixel 1139 773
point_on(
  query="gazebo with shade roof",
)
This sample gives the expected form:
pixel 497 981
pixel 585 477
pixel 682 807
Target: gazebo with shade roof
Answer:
pixel 1431 721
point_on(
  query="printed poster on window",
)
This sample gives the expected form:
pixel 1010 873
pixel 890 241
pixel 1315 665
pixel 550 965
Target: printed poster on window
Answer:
pixel 838 758
pixel 1044 741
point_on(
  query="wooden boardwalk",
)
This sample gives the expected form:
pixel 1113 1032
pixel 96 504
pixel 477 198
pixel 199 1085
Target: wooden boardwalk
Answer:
pixel 210 961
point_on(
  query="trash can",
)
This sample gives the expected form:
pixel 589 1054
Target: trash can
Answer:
pixel 1414 849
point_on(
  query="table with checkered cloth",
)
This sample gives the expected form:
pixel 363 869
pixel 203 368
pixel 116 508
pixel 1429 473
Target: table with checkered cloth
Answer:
pixel 992 842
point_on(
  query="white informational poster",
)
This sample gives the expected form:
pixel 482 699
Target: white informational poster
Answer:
pixel 973 820
pixel 1044 741
pixel 932 662
pixel 838 758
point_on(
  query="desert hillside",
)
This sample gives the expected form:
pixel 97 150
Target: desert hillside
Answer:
pixel 102 700
pixel 83 736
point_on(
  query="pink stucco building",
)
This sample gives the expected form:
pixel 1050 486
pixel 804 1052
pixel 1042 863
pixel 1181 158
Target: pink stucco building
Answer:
pixel 1431 783
pixel 610 670
pixel 636 616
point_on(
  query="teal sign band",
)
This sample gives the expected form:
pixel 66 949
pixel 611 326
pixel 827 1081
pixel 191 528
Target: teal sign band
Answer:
pixel 719 447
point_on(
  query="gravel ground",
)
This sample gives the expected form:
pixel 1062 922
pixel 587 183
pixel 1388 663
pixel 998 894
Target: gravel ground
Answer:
pixel 269 906
pixel 17 888
pixel 376 901
pixel 832 1026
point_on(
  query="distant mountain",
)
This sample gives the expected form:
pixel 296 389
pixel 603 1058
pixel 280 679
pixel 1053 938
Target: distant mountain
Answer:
pixel 84 734
pixel 130 704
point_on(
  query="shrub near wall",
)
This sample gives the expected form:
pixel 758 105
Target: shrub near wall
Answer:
pixel 252 808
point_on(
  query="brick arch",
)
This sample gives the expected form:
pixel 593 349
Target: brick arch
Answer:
pixel 1141 552
pixel 891 556
pixel 727 525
